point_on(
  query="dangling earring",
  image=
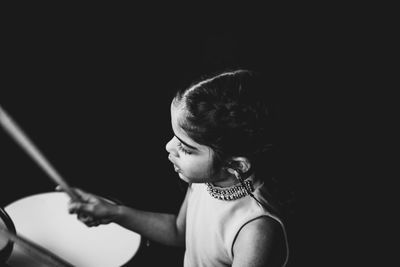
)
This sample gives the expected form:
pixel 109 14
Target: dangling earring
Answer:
pixel 238 175
pixel 248 185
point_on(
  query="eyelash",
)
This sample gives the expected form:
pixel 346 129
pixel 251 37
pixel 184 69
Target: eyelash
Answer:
pixel 184 150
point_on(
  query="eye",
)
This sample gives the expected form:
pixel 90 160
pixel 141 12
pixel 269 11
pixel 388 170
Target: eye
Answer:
pixel 184 150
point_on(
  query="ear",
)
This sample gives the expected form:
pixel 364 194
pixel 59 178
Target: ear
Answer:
pixel 240 164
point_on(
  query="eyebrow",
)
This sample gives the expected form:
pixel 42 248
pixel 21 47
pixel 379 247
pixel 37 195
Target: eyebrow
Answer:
pixel 186 144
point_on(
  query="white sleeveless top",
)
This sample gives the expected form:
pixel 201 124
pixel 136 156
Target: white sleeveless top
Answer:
pixel 212 226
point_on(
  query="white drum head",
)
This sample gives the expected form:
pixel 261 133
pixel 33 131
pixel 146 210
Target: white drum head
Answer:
pixel 44 219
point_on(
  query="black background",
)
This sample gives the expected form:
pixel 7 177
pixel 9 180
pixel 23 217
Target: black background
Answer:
pixel 92 90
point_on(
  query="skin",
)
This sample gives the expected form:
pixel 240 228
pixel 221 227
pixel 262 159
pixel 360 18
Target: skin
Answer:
pixel 192 162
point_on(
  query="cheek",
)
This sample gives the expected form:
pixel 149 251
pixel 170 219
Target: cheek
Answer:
pixel 196 168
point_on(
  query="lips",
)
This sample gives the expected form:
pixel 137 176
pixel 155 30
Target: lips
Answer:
pixel 175 166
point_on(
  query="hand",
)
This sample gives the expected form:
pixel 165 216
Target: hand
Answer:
pixel 92 210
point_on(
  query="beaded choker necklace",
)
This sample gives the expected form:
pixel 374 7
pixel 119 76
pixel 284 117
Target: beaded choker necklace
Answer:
pixel 230 193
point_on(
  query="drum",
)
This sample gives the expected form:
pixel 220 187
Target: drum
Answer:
pixel 6 246
pixel 44 219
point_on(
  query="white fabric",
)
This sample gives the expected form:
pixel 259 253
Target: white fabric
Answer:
pixel 212 226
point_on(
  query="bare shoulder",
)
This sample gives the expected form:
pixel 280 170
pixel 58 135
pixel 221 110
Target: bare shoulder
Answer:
pixel 261 242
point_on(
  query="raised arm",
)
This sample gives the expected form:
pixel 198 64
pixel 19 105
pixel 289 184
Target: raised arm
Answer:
pixel 168 229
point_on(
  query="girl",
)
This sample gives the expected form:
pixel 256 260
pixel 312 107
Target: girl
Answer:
pixel 222 148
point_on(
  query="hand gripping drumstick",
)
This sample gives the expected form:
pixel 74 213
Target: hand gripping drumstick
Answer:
pixel 19 136
pixel 34 249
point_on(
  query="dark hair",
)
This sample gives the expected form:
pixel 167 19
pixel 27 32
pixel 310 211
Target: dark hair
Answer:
pixel 227 113
pixel 233 113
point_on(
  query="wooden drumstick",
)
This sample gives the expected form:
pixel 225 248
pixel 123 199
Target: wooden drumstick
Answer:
pixel 43 254
pixel 18 135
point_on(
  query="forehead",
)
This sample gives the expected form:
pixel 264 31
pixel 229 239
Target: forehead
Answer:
pixel 178 113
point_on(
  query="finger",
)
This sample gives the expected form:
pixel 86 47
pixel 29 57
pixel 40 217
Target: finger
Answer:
pixel 105 221
pixel 87 223
pixel 96 222
pixel 93 223
pixel 83 195
pixel 89 220
pixel 79 207
pixel 86 218
pixel 74 207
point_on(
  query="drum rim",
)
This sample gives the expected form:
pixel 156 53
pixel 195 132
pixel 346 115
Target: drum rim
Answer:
pixel 6 251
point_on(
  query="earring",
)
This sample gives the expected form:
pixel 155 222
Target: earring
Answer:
pixel 238 175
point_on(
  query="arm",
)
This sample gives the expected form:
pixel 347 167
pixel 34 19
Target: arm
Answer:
pixel 260 243
pixel 168 229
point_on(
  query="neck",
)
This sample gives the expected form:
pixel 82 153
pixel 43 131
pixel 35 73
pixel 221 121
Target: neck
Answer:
pixel 231 181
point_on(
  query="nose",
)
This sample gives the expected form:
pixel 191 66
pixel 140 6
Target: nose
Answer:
pixel 171 147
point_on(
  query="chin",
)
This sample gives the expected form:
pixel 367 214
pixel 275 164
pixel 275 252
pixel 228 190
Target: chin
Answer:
pixel 184 178
pixel 191 180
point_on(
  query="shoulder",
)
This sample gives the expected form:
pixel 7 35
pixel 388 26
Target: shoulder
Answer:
pixel 260 242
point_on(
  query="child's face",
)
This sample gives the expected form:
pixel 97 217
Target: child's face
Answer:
pixel 192 161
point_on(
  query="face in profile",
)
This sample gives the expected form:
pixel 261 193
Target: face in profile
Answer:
pixel 192 161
